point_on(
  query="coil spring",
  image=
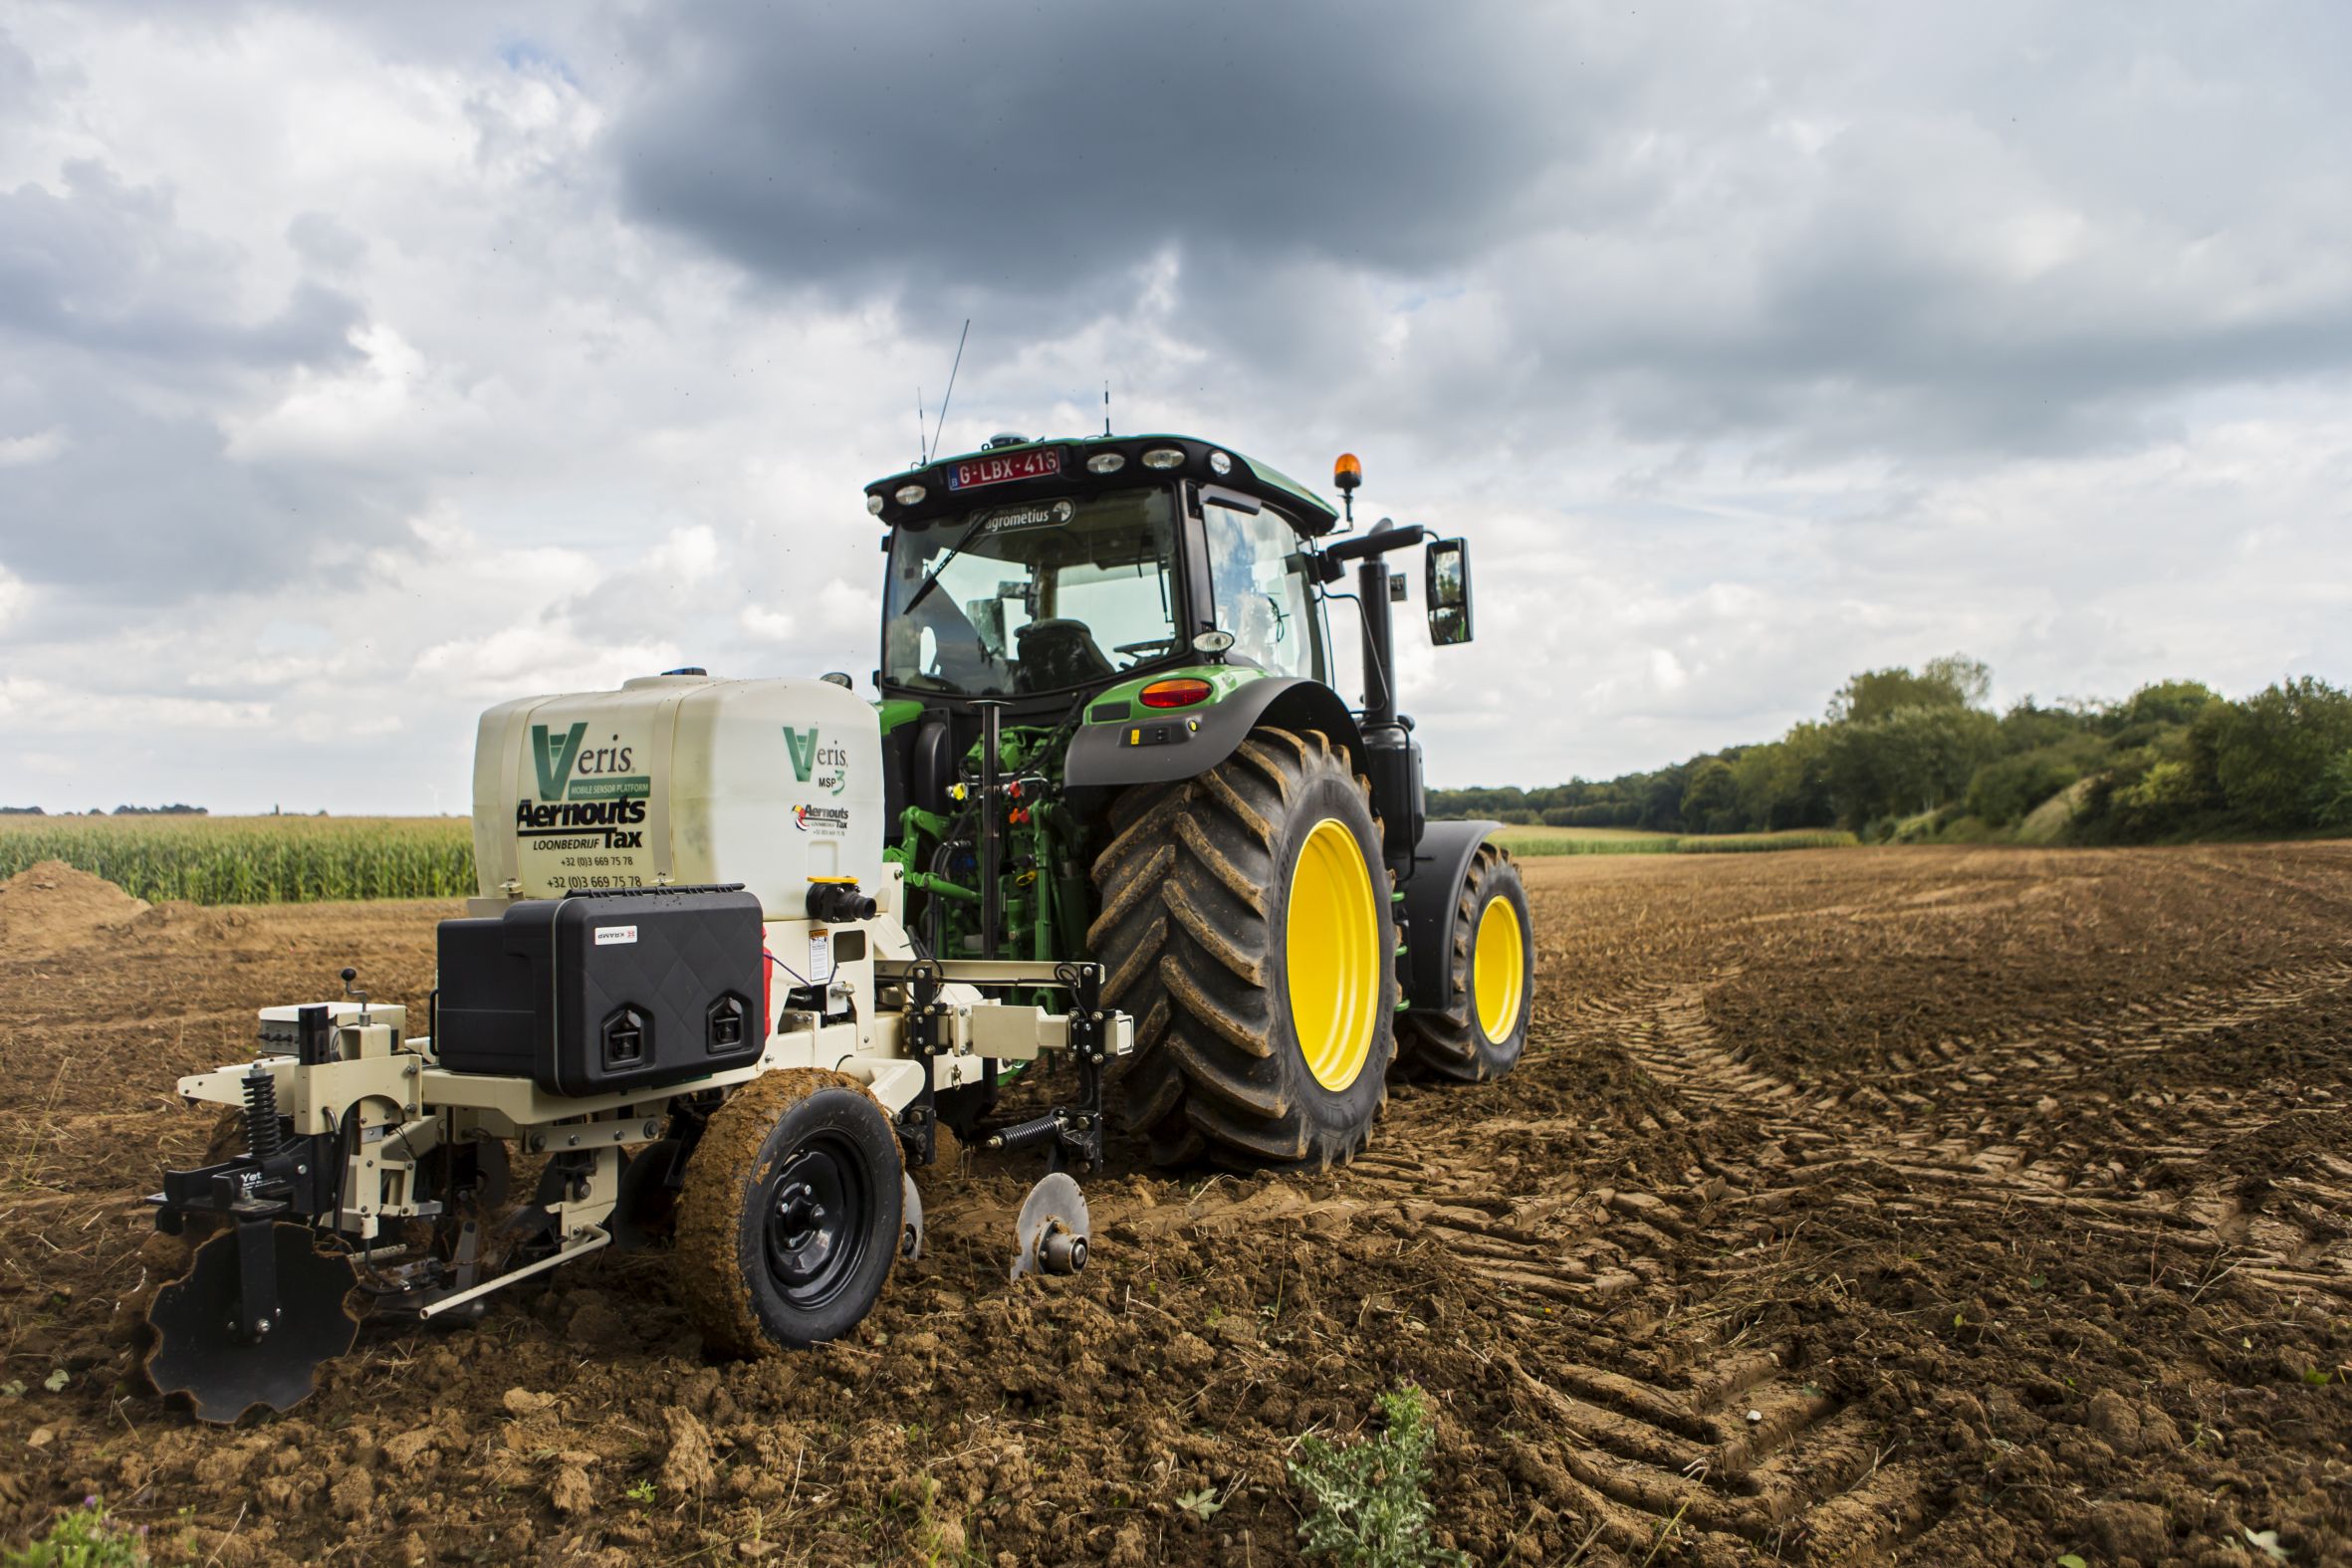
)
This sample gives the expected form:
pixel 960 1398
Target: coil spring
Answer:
pixel 261 1115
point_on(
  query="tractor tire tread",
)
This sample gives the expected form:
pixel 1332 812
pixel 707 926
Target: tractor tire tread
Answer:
pixel 1188 889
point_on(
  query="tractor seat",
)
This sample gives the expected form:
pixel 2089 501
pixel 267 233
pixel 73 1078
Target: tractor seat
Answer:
pixel 1058 653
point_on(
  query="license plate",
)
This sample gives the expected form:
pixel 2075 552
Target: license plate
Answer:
pixel 1038 463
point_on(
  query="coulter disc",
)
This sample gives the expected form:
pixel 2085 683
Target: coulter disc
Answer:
pixel 1053 1229
pixel 910 1226
pixel 197 1352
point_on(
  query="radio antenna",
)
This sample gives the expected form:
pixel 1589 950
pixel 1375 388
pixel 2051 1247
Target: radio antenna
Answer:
pixel 1106 406
pixel 922 446
pixel 951 389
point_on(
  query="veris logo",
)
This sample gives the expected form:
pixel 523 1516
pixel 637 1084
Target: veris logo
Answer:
pixel 554 757
pixel 583 786
pixel 602 769
pixel 828 767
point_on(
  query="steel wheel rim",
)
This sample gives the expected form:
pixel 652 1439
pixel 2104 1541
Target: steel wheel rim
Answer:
pixel 814 1221
pixel 1499 978
pixel 1331 942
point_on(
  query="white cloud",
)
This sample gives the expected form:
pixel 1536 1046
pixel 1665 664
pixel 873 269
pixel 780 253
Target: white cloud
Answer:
pixel 53 708
pixel 763 625
pixel 39 447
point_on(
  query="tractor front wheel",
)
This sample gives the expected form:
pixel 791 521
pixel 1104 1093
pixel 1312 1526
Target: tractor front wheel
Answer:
pixel 1245 926
pixel 1491 994
pixel 788 1216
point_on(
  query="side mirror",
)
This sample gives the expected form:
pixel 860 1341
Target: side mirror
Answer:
pixel 1446 590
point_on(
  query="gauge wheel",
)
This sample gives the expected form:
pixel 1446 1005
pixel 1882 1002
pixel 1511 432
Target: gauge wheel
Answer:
pixel 789 1217
pixel 1246 925
pixel 1491 977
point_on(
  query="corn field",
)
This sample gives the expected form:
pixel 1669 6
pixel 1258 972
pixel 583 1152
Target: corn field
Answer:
pixel 253 859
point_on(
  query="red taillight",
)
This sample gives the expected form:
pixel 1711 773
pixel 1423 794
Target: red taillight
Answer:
pixel 766 992
pixel 1180 692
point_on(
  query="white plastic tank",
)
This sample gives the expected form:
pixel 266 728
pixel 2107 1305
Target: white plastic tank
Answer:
pixel 680 779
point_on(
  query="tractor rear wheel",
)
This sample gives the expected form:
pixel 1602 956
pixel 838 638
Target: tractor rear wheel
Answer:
pixel 787 1219
pixel 1245 926
pixel 1491 991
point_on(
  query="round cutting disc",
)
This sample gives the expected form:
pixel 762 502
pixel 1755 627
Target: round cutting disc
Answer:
pixel 197 1352
pixel 1054 1204
pixel 910 1225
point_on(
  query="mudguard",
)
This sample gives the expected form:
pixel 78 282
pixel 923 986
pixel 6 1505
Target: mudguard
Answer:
pixel 1440 862
pixel 1198 739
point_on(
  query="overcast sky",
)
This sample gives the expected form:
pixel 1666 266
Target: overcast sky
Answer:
pixel 361 367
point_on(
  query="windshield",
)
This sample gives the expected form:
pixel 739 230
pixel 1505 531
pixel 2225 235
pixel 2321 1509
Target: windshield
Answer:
pixel 1041 595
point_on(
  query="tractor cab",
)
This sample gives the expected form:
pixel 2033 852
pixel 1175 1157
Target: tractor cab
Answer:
pixel 1037 572
pixel 1126 596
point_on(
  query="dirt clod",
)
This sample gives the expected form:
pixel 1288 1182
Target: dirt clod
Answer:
pixel 687 1470
pixel 352 1493
pixel 522 1401
pixel 2132 1533
pixel 570 1491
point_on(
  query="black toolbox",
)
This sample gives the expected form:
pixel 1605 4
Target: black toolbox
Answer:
pixel 604 991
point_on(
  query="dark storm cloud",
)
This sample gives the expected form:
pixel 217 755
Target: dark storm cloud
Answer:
pixel 17 76
pixel 1044 154
pixel 102 265
pixel 144 509
pixel 1828 229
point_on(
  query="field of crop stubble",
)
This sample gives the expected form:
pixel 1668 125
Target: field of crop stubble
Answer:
pixel 1918 1205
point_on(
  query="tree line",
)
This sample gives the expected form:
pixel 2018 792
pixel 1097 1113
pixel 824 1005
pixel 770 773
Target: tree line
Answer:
pixel 1903 754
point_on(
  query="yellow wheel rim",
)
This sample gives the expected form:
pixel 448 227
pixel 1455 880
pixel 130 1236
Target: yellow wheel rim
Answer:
pixel 1332 953
pixel 1499 978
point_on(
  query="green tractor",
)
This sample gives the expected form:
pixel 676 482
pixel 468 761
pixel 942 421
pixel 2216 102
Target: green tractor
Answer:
pixel 1109 733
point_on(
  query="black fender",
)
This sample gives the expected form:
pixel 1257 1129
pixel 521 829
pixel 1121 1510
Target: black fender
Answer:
pixel 1198 739
pixel 1440 862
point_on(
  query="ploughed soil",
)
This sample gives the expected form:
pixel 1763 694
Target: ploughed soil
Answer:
pixel 1927 1205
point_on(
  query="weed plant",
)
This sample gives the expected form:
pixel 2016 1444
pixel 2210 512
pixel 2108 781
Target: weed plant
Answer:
pixel 1370 1501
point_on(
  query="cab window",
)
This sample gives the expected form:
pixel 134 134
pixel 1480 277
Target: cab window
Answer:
pixel 1257 579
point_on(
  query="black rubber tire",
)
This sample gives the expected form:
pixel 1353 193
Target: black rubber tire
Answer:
pixel 786 1139
pixel 1451 1044
pixel 1193 890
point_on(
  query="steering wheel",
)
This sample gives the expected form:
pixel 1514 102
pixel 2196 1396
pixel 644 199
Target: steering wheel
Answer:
pixel 1139 648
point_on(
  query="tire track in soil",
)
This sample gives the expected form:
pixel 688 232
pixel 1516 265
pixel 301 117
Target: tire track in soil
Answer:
pixel 1730 1436
pixel 1664 1419
pixel 1813 1474
pixel 1995 1154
